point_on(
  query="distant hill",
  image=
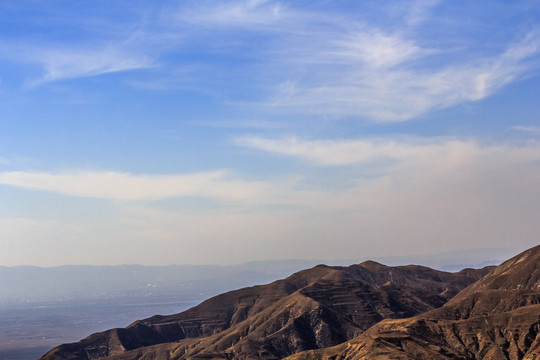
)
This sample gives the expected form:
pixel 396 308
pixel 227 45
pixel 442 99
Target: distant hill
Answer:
pixel 315 308
pixel 29 284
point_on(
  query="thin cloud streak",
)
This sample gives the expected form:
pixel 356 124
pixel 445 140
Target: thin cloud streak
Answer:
pixel 420 11
pixel 528 129
pixel 71 64
pixel 251 14
pixel 128 187
pixel 348 152
pixel 373 49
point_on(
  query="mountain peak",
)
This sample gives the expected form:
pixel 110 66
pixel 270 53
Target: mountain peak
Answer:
pixel 519 272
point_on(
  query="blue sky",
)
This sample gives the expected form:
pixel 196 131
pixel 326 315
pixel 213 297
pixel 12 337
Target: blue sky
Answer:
pixel 202 132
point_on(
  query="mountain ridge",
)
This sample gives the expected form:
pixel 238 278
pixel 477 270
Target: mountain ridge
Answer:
pixel 497 317
pixel 340 301
pixel 356 312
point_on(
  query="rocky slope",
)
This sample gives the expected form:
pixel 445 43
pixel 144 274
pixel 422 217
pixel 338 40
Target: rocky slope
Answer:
pixel 497 317
pixel 312 309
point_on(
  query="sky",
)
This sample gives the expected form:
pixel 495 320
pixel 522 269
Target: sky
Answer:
pixel 210 132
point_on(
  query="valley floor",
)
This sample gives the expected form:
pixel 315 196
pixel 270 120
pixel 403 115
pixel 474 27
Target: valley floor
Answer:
pixel 27 331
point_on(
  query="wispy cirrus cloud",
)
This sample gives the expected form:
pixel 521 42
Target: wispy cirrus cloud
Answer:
pixel 419 10
pixel 406 153
pixel 102 40
pixel 331 63
pixel 58 62
pixel 372 48
pixel 129 187
pixel 65 64
pixel 297 59
pixel 249 14
pixel 385 81
pixel 338 152
pixel 528 129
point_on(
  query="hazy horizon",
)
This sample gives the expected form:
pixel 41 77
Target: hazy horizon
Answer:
pixel 436 260
pixel 203 132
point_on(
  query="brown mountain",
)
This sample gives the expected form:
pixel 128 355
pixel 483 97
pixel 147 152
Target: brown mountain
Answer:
pixel 497 317
pixel 312 309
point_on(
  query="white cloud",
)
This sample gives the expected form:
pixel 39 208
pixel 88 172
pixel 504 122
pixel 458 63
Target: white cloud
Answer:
pixel 298 60
pixel 419 10
pixel 528 47
pixel 434 195
pixel 381 77
pixel 251 14
pixel 122 186
pixel 373 49
pixel 346 152
pixel 328 63
pixel 528 129
pixel 416 168
pixel 437 197
pixel 97 48
pixel 76 63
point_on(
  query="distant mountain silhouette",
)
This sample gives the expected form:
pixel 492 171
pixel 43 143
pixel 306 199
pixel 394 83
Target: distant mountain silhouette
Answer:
pixel 364 311
pixel 31 284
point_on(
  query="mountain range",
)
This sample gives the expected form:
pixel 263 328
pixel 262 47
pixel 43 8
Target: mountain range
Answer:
pixel 363 311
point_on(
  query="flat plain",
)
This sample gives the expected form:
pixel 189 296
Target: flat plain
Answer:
pixel 27 331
